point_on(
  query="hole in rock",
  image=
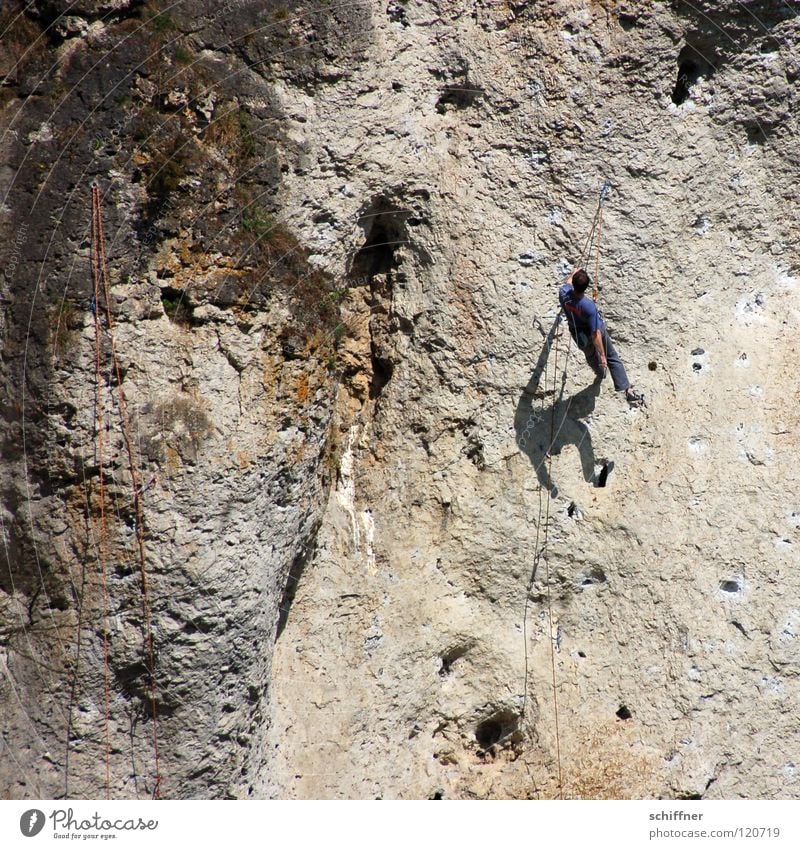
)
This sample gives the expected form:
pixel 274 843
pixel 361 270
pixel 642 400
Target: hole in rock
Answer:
pixel 595 576
pixel 439 794
pixel 571 509
pixel 581 654
pixel 730 586
pixel 384 230
pixel 396 13
pixel 496 728
pixel 488 733
pixel 450 657
pixel 382 371
pixel 756 134
pixel 624 713
pixel 176 305
pixel 689 797
pixel 459 95
pixel 652 365
pixel 692 66
pixel 696 352
pixel 697 366
pixel 605 471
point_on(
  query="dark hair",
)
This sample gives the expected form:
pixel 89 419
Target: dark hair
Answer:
pixel 580 281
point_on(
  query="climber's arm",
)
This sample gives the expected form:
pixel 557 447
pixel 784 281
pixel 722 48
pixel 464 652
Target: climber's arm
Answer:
pixel 597 339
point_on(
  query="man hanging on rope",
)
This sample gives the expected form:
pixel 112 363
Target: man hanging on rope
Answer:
pixel 590 334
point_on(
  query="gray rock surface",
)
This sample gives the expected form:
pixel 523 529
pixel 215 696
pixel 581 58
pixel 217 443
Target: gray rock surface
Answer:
pixel 661 659
pixel 335 235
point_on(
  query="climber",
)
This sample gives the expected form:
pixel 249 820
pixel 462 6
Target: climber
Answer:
pixel 590 334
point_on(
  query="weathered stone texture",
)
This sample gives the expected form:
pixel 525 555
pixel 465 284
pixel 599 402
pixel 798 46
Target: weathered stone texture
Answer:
pixel 399 481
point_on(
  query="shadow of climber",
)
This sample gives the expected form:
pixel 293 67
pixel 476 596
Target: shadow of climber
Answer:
pixel 543 410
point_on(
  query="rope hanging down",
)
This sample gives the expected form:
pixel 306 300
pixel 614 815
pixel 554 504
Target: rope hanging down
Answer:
pixel 100 270
pixel 595 230
pixel 100 425
pixel 593 240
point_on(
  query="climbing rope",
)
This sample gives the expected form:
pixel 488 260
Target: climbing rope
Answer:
pixel 596 286
pixel 593 240
pixel 547 559
pixel 101 268
pixel 103 535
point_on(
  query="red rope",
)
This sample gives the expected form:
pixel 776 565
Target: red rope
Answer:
pixel 133 470
pixel 100 421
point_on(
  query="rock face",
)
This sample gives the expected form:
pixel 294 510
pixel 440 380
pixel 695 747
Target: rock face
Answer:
pixel 398 544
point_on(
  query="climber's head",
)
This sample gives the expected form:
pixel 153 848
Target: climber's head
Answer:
pixel 580 281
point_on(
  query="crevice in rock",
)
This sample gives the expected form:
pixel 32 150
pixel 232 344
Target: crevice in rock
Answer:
pixel 382 370
pixel 375 265
pixel 301 560
pixel 739 627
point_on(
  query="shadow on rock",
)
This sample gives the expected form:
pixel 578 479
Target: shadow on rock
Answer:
pixel 546 421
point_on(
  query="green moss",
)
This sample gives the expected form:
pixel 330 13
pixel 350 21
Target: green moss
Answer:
pixel 260 223
pixel 232 134
pixel 183 56
pixel 160 22
pixel 62 318
pixel 247 140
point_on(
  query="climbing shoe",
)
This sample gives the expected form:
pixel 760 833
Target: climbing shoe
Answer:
pixel 634 398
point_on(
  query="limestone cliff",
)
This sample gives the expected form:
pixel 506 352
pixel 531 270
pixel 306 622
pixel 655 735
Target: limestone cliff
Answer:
pixel 397 543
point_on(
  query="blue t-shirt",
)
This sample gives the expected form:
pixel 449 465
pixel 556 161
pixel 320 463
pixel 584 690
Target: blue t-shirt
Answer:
pixel 582 313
